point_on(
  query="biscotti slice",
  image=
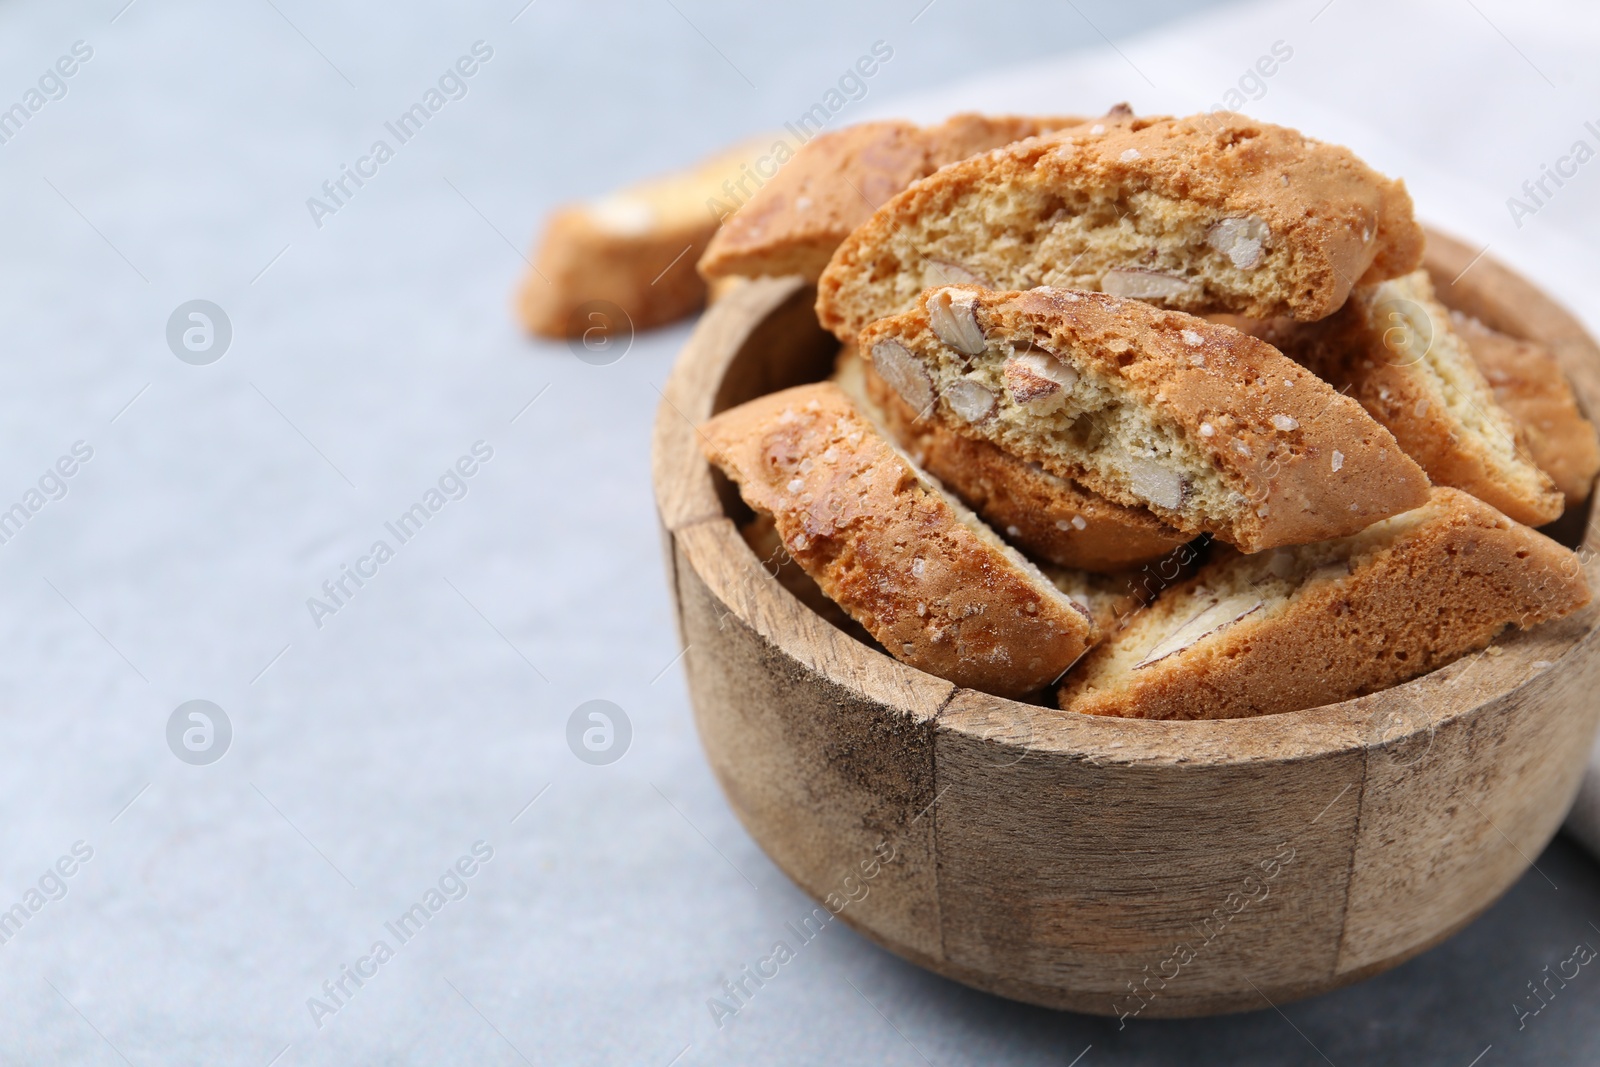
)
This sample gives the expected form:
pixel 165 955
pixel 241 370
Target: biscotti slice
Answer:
pixel 1301 627
pixel 1214 213
pixel 1530 385
pixel 634 248
pixel 1048 516
pixel 793 222
pixel 1393 349
pixel 937 588
pixel 1210 429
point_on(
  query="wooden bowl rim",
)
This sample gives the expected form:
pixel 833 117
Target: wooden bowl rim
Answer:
pixel 1401 718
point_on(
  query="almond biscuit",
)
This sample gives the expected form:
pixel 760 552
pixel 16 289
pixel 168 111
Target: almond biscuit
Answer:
pixel 792 224
pixel 634 248
pixel 1050 517
pixel 1530 385
pixel 1301 627
pixel 1212 213
pixel 1210 429
pixel 934 585
pixel 1392 348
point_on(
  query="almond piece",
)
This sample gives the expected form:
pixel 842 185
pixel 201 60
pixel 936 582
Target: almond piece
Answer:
pixel 905 374
pixel 1143 284
pixel 1217 615
pixel 1036 374
pixel 1241 240
pixel 969 400
pixel 953 315
pixel 1156 482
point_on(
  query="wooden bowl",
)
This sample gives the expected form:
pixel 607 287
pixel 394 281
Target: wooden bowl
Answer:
pixel 1118 867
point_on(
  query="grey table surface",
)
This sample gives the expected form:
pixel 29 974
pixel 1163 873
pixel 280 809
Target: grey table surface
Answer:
pixel 374 746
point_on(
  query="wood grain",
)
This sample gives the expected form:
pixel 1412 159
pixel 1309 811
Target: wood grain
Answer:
pixel 1117 867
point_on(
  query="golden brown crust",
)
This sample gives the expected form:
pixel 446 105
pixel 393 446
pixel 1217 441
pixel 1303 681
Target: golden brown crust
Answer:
pixel 1529 384
pixel 634 248
pixel 579 262
pixel 761 534
pixel 1296 461
pixel 1392 349
pixel 891 549
pixel 1048 516
pixel 1152 193
pixel 1456 575
pixel 792 224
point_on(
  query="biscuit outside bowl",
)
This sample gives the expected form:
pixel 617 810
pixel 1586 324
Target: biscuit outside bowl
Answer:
pixel 1116 867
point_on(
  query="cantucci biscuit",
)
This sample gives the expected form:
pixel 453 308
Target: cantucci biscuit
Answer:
pixel 634 248
pixel 937 588
pixel 1213 213
pixel 1301 627
pixel 792 223
pixel 1050 517
pixel 1210 429
pixel 1529 384
pixel 1393 349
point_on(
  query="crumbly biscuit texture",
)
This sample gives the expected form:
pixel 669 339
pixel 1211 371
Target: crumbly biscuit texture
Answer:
pixel 792 223
pixel 1301 627
pixel 937 588
pixel 1530 386
pixel 1050 517
pixel 1212 213
pixel 1211 430
pixel 1394 350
